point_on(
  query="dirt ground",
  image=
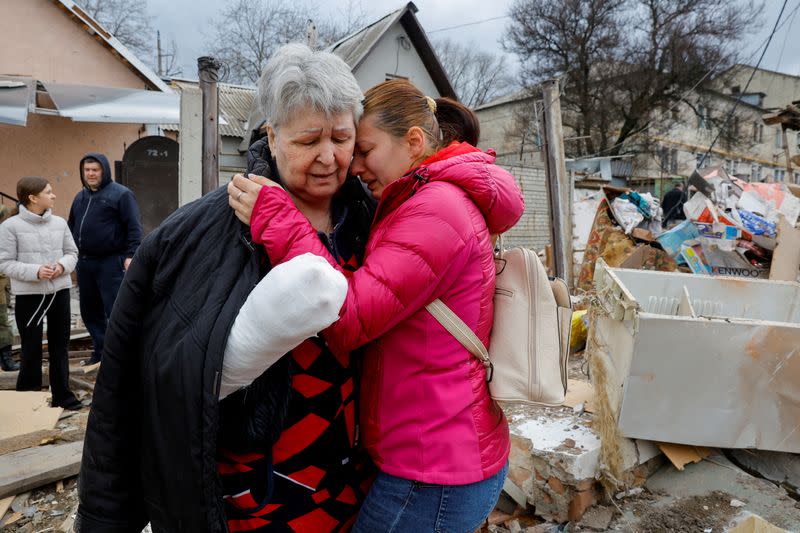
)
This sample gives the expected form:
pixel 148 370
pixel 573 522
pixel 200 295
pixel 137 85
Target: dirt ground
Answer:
pixel 690 515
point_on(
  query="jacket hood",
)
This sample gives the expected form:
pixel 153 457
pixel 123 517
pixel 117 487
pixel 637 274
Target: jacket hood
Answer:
pixel 492 188
pixel 103 163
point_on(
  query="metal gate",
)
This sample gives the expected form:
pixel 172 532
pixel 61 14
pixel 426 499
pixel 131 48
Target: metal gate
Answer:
pixel 150 170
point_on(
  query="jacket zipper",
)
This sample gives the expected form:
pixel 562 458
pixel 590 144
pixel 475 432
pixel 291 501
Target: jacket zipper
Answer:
pixel 80 229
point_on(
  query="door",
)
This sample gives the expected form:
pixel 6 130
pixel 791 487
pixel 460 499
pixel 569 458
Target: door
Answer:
pixel 150 170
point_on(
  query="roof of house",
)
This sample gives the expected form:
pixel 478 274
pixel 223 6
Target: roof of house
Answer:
pixel 354 48
pixel 762 69
pixel 101 35
pixel 519 96
pixel 235 102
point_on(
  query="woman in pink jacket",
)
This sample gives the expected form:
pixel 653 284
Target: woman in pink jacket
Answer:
pixel 441 443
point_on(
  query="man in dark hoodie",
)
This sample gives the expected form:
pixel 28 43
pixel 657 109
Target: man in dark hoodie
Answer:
pixel 104 220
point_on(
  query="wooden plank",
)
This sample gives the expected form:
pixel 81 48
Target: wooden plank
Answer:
pixel 8 380
pixel 25 412
pixel 90 369
pixel 28 440
pixel 680 454
pixel 5 503
pixel 36 467
pixel 81 384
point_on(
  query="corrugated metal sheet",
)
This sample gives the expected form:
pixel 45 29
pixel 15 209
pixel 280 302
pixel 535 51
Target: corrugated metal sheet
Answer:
pixel 234 107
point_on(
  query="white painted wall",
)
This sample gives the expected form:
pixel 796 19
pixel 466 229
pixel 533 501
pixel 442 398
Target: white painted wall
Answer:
pixel 389 57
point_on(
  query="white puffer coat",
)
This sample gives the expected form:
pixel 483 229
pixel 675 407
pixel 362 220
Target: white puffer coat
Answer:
pixel 28 241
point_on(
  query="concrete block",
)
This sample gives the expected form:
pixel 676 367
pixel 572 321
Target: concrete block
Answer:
pixel 560 473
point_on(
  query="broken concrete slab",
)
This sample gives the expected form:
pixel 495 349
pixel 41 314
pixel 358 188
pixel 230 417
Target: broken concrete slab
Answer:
pixel 718 475
pixel 555 460
pixel 779 467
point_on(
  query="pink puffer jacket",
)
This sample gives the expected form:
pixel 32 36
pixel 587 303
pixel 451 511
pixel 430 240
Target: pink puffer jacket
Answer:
pixel 425 408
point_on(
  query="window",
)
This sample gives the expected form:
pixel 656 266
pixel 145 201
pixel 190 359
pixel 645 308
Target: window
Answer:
pixel 780 175
pixel 778 138
pixel 797 177
pixel 703 121
pixel 673 161
pixel 701 163
pixel 730 166
pixel 758 132
pixel 755 173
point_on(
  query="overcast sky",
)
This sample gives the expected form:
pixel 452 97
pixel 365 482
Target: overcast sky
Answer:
pixel 189 21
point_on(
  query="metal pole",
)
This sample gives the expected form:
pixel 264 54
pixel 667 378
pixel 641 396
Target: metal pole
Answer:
pixel 208 72
pixel 558 183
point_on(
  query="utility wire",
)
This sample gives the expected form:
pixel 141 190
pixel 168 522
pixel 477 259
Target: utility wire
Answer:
pixel 686 93
pixel 468 24
pixel 747 85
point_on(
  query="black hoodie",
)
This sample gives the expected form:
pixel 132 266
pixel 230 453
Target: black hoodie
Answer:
pixel 106 221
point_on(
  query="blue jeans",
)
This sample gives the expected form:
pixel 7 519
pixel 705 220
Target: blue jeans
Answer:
pixel 398 505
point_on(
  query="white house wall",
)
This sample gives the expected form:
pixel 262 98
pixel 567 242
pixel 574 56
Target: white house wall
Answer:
pixel 388 58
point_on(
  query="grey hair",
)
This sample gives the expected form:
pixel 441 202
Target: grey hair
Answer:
pixel 295 77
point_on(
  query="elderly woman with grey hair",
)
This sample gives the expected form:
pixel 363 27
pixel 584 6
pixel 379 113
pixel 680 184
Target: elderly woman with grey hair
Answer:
pixel 200 420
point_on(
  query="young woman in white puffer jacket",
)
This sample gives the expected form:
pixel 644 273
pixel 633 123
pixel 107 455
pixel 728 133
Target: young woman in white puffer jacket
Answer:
pixel 38 253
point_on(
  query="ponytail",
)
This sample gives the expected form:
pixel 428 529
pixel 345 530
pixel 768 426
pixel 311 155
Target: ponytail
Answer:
pixel 457 122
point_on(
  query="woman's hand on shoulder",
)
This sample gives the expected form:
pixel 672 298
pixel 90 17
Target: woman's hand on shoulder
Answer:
pixel 243 193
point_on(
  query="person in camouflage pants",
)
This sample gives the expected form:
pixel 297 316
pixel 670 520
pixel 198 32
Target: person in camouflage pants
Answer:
pixel 6 335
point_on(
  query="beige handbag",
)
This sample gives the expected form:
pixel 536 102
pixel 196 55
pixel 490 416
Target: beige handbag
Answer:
pixel 529 347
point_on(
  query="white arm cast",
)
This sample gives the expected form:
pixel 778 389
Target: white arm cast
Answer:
pixel 295 301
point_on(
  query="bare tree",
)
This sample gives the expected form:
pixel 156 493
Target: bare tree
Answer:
pixel 623 62
pixel 127 20
pixel 247 32
pixel 351 17
pixel 476 75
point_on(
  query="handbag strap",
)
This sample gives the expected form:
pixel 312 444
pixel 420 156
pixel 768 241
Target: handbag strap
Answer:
pixel 463 334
